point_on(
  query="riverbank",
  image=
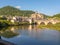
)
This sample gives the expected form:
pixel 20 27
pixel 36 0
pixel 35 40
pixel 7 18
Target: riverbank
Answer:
pixel 50 26
pixel 5 23
pixel 3 42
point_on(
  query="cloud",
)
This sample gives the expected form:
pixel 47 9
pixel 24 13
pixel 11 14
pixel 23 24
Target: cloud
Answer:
pixel 18 7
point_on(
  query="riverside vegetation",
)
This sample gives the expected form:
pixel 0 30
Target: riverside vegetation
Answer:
pixel 50 26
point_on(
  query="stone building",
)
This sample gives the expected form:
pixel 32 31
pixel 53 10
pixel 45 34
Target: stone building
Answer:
pixel 37 16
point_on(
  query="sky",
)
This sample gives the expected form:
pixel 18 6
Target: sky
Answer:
pixel 48 7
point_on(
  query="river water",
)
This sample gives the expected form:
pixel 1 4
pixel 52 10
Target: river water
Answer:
pixel 30 35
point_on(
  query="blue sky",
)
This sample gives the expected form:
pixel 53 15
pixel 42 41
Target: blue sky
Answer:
pixel 49 7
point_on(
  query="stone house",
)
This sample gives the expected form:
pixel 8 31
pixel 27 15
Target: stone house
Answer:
pixel 37 16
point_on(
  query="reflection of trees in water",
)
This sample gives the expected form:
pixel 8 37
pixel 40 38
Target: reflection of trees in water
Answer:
pixel 7 33
pixel 21 27
pixel 15 30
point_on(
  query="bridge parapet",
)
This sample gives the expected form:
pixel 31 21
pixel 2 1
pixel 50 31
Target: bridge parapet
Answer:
pixel 47 21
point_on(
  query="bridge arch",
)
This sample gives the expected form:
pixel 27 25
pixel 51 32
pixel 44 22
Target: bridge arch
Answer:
pixel 54 22
pixel 49 23
pixel 45 22
pixel 42 23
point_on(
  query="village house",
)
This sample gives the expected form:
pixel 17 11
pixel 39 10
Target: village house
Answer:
pixel 37 16
pixel 19 19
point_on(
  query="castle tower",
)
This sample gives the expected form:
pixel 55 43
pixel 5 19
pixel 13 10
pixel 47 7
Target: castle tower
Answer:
pixel 37 16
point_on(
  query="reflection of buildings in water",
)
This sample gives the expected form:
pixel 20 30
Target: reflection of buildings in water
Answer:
pixel 23 27
pixel 30 28
pixel 12 29
pixel 34 31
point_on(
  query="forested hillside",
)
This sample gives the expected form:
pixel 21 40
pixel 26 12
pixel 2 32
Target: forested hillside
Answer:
pixel 9 10
pixel 57 15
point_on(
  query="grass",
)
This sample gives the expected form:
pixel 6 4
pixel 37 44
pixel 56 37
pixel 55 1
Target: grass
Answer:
pixel 50 26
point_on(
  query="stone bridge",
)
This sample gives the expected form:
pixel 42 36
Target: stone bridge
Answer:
pixel 46 21
pixel 39 19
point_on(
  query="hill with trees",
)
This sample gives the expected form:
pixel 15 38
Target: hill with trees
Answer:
pixel 57 15
pixel 9 10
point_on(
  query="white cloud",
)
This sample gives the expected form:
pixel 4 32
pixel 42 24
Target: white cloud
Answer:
pixel 18 7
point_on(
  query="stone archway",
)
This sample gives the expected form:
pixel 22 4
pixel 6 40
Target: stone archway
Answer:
pixel 42 23
pixel 49 23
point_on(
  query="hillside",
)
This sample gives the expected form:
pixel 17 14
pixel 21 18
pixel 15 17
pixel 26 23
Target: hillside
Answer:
pixel 9 10
pixel 57 15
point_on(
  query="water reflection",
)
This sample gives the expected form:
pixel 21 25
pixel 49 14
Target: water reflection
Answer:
pixel 6 32
pixel 31 35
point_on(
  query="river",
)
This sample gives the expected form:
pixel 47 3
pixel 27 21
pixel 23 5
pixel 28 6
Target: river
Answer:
pixel 30 35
